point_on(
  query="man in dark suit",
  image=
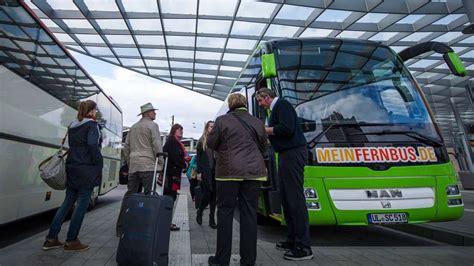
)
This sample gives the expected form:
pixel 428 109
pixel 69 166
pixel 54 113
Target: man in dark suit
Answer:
pixel 286 137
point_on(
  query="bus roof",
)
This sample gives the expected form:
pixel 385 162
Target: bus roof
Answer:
pixel 271 45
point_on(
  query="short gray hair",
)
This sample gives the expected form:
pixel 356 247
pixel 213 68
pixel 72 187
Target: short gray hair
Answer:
pixel 236 100
pixel 263 92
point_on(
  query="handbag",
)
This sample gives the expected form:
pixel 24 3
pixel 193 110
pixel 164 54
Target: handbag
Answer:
pixel 123 174
pixel 53 169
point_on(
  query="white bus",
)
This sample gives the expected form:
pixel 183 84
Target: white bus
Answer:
pixel 40 85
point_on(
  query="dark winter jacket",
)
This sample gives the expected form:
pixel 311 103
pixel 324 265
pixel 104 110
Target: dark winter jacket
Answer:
pixel 176 161
pixel 238 156
pixel 84 162
pixel 205 165
pixel 287 132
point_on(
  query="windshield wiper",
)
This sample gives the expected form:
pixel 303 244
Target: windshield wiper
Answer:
pixel 412 134
pixel 318 137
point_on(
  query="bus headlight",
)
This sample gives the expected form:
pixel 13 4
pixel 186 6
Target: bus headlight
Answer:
pixel 311 205
pixel 452 190
pixel 310 193
pixel 454 202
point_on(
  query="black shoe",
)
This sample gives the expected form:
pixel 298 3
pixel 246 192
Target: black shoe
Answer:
pixel 298 253
pixel 174 227
pixel 199 217
pixel 285 245
pixel 212 223
pixel 212 261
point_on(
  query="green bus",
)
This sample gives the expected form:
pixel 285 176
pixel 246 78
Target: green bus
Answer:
pixel 376 154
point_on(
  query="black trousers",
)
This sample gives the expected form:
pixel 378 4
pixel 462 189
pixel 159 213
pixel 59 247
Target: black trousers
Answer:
pixel 229 194
pixel 291 177
pixel 193 182
pixel 208 197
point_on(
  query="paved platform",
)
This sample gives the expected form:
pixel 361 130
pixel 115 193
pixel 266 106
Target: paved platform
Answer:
pixel 460 232
pixel 193 244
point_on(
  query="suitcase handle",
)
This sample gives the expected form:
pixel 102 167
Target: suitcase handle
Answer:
pixel 165 157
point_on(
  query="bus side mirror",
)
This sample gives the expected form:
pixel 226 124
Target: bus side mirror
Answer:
pixel 450 57
pixel 454 63
pixel 268 66
pixel 307 125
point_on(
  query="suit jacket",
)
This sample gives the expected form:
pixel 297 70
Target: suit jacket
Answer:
pixel 287 132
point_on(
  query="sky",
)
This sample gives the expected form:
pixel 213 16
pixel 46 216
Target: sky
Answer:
pixel 132 90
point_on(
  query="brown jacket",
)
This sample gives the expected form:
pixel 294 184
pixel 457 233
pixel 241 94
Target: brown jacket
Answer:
pixel 237 154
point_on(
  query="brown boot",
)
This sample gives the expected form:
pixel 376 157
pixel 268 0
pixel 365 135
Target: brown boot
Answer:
pixel 52 244
pixel 75 245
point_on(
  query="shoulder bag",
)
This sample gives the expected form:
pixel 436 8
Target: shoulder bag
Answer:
pixel 53 169
pixel 252 132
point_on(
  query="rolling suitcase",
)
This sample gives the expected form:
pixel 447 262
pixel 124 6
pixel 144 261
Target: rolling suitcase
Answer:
pixel 146 228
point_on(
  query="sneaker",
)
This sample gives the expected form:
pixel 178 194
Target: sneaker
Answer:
pixel 52 244
pixel 298 253
pixel 285 245
pixel 75 245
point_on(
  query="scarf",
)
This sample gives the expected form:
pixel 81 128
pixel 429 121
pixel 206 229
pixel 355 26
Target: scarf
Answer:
pixel 181 145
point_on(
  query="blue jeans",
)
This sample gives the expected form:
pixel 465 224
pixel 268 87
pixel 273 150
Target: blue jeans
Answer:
pixel 83 197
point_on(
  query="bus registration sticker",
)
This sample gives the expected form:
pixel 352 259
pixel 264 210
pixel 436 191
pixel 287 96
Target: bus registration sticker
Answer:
pixel 388 218
pixel 375 154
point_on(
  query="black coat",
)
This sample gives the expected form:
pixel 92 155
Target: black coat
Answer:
pixel 176 161
pixel 287 132
pixel 204 167
pixel 84 162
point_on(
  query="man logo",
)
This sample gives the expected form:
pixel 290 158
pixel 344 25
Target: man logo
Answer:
pixel 386 204
pixel 384 193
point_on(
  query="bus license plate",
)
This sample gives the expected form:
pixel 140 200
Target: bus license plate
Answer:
pixel 388 218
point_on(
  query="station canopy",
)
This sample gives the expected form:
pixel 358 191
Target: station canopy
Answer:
pixel 202 45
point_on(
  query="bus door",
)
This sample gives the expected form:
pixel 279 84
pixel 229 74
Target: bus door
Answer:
pixel 270 187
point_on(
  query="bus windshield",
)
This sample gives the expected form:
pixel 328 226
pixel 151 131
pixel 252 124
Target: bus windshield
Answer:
pixel 353 92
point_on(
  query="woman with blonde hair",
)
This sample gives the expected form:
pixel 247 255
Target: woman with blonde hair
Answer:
pixel 84 171
pixel 205 167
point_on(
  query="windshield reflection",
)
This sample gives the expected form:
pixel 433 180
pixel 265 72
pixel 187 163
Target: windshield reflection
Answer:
pixel 381 103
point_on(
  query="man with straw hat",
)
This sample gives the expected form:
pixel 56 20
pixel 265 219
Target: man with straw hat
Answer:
pixel 142 143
